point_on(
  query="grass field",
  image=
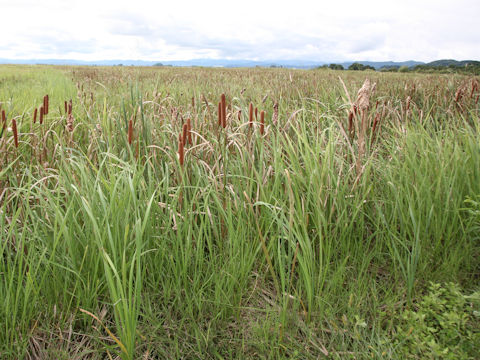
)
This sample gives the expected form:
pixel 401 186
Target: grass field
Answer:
pixel 127 234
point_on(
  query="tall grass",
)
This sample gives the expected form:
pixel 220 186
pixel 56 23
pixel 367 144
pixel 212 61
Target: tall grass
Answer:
pixel 141 223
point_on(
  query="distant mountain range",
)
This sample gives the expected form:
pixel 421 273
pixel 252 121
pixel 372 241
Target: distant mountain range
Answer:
pixel 299 64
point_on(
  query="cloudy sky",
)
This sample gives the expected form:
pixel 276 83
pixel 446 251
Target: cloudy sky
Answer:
pixel 334 30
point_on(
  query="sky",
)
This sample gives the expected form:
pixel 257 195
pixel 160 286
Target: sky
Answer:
pixel 324 31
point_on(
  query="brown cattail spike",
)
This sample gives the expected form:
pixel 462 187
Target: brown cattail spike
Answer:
pixel 15 133
pixel 184 133
pixel 189 131
pixel 181 153
pixel 35 115
pixel 41 114
pixel 250 115
pixel 4 119
pixel 130 131
pixel 66 106
pixel 256 114
pixel 224 110
pixel 46 103
pixel 262 122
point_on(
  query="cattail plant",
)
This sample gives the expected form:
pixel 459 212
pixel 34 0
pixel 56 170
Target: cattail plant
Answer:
pixel 66 106
pixel 262 122
pixel 15 132
pixel 130 131
pixel 35 115
pixel 41 115
pixel 184 133
pixel 4 119
pixel 256 113
pixel 250 115
pixel 45 105
pixel 375 126
pixel 224 111
pixel 180 150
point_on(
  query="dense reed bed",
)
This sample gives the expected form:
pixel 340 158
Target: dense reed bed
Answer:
pixel 230 213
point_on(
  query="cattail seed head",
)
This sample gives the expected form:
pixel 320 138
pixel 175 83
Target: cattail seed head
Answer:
pixel 130 131
pixel 224 110
pixel 262 122
pixel 46 104
pixel 256 114
pixel 4 119
pixel 41 114
pixel 250 115
pixel 35 115
pixel 184 133
pixel 181 153
pixel 15 132
pixel 66 106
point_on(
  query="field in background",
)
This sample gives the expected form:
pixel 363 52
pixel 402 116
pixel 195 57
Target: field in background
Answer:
pixel 125 232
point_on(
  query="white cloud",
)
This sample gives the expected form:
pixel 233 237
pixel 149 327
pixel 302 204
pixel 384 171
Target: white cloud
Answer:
pixel 263 30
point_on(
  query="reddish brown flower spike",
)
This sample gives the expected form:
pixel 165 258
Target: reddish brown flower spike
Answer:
pixel 184 133
pixel 256 114
pixel 4 119
pixel 35 115
pixel 15 133
pixel 41 115
pixel 250 115
pixel 262 122
pixel 66 106
pixel 46 103
pixel 224 110
pixel 180 151
pixel 130 132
